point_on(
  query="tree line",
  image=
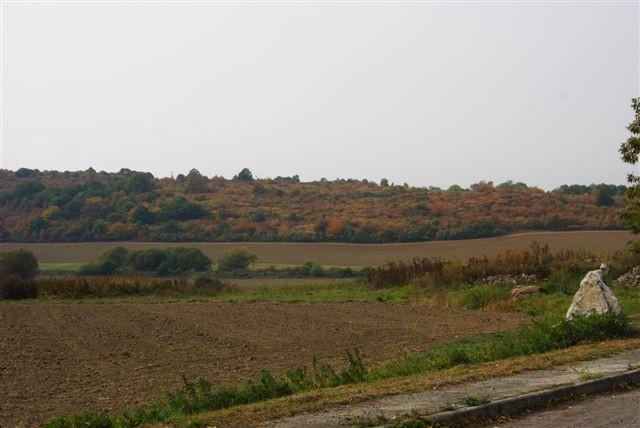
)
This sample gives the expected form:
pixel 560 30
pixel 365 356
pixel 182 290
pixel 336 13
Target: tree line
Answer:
pixel 82 206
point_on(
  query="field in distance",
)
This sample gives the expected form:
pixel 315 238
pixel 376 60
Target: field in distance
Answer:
pixel 598 242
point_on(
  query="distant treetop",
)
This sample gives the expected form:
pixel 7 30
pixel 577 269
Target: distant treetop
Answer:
pixel 244 175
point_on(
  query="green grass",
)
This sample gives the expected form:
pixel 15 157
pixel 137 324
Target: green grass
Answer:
pixel 311 293
pixel 352 292
pixel 539 337
pixel 285 266
pixel 60 267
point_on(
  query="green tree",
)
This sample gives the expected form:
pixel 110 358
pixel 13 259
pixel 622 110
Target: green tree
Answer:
pixel 604 195
pixel 236 258
pixel 178 208
pixel 28 188
pixel 195 182
pixel 115 255
pixel 140 182
pixel 182 259
pixel 99 229
pixel 36 224
pixel 142 215
pixel 244 175
pixel 629 151
pixel 146 260
pixel 21 263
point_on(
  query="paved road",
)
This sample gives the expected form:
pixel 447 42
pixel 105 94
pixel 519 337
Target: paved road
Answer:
pixel 611 410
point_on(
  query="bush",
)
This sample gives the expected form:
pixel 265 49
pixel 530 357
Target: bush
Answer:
pixel 205 281
pixel 82 419
pixel 13 287
pixel 115 255
pixel 182 259
pixel 146 260
pixel 310 269
pixel 19 263
pixel 98 269
pixel 235 259
pixel 164 261
pixel 480 297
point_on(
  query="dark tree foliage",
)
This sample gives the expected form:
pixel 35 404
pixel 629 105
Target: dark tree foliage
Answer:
pixel 27 189
pixel 37 223
pixel 244 175
pixel 179 208
pixel 26 172
pixel 604 196
pixel 142 215
pixel 140 182
pixel 581 189
pixel 146 260
pixel 161 261
pixel 629 151
pixel 195 182
pixel 116 255
pixel 236 258
pixel 20 263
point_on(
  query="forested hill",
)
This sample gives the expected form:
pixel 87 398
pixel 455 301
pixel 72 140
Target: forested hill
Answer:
pixel 53 206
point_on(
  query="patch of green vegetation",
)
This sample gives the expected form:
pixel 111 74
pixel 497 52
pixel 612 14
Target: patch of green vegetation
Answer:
pixel 481 297
pixel 585 374
pixel 60 267
pixel 473 400
pixel 539 337
pixel 288 266
pixel 352 292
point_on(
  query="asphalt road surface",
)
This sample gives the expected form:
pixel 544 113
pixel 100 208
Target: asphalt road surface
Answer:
pixel 610 410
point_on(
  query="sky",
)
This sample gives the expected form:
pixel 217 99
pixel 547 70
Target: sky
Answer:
pixel 427 93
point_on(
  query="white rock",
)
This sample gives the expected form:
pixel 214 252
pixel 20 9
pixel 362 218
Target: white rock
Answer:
pixel 594 296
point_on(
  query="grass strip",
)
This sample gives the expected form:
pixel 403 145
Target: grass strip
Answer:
pixel 318 400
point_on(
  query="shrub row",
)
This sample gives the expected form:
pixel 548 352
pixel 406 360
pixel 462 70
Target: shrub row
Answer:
pixel 77 287
pixel 161 261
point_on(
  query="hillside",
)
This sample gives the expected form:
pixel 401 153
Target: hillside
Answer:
pixel 52 206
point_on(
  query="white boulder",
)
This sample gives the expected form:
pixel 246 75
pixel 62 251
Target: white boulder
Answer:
pixel 594 296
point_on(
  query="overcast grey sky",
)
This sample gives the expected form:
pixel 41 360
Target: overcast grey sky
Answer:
pixel 424 93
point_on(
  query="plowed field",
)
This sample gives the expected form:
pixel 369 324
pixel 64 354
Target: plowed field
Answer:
pixel 598 242
pixel 60 358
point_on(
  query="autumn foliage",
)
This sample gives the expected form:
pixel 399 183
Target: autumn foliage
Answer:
pixel 54 206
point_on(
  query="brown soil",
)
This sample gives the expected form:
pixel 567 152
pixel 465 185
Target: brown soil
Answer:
pixel 598 242
pixel 60 358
